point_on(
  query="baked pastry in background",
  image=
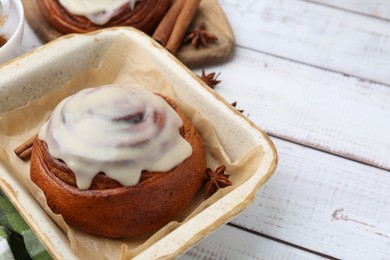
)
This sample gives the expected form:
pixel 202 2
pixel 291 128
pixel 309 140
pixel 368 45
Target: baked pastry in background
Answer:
pixel 80 16
pixel 118 161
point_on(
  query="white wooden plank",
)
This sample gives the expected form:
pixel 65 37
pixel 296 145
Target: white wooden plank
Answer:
pixel 326 203
pixel 231 243
pixel 377 8
pixel 322 109
pixel 30 40
pixel 313 34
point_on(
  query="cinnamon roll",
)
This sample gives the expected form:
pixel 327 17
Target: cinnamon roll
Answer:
pixel 80 16
pixel 118 161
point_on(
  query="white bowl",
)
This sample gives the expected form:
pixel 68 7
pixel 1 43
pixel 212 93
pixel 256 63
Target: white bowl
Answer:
pixel 12 31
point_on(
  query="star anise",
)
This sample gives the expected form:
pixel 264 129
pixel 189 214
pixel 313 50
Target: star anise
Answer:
pixel 234 104
pixel 215 180
pixel 200 36
pixel 210 79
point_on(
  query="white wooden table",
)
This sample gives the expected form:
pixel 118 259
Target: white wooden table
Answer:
pixel 315 75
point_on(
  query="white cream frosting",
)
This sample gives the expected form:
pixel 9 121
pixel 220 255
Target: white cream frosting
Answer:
pixel 118 130
pixel 97 11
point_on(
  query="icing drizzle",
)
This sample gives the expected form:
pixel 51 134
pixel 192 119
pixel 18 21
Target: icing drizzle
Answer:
pixel 115 129
pixel 97 11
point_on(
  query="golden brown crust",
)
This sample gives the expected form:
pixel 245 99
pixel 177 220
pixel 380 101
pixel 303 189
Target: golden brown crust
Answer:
pixel 145 17
pixel 109 209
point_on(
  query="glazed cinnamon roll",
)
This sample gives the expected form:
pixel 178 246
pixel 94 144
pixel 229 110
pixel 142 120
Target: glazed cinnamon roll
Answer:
pixel 80 16
pixel 118 161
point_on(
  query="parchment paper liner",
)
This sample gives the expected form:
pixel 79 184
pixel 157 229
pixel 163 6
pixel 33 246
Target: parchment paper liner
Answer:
pixel 120 65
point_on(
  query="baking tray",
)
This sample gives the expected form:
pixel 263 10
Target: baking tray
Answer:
pixel 49 67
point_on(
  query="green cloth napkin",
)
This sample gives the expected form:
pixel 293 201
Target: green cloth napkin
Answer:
pixel 17 241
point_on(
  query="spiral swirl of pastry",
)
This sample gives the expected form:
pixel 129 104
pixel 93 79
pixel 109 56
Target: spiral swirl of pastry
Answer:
pixel 118 130
pixel 108 208
pixel 145 16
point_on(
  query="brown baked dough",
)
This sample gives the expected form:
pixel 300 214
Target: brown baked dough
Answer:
pixel 112 210
pixel 145 16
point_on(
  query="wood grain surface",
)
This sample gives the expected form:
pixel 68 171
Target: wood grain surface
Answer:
pixel 231 243
pixel 325 110
pixel 209 12
pixel 324 203
pixel 313 34
pixel 379 9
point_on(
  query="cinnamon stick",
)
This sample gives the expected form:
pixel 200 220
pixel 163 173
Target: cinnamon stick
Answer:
pixel 164 29
pixel 23 151
pixel 181 25
pixel 26 154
